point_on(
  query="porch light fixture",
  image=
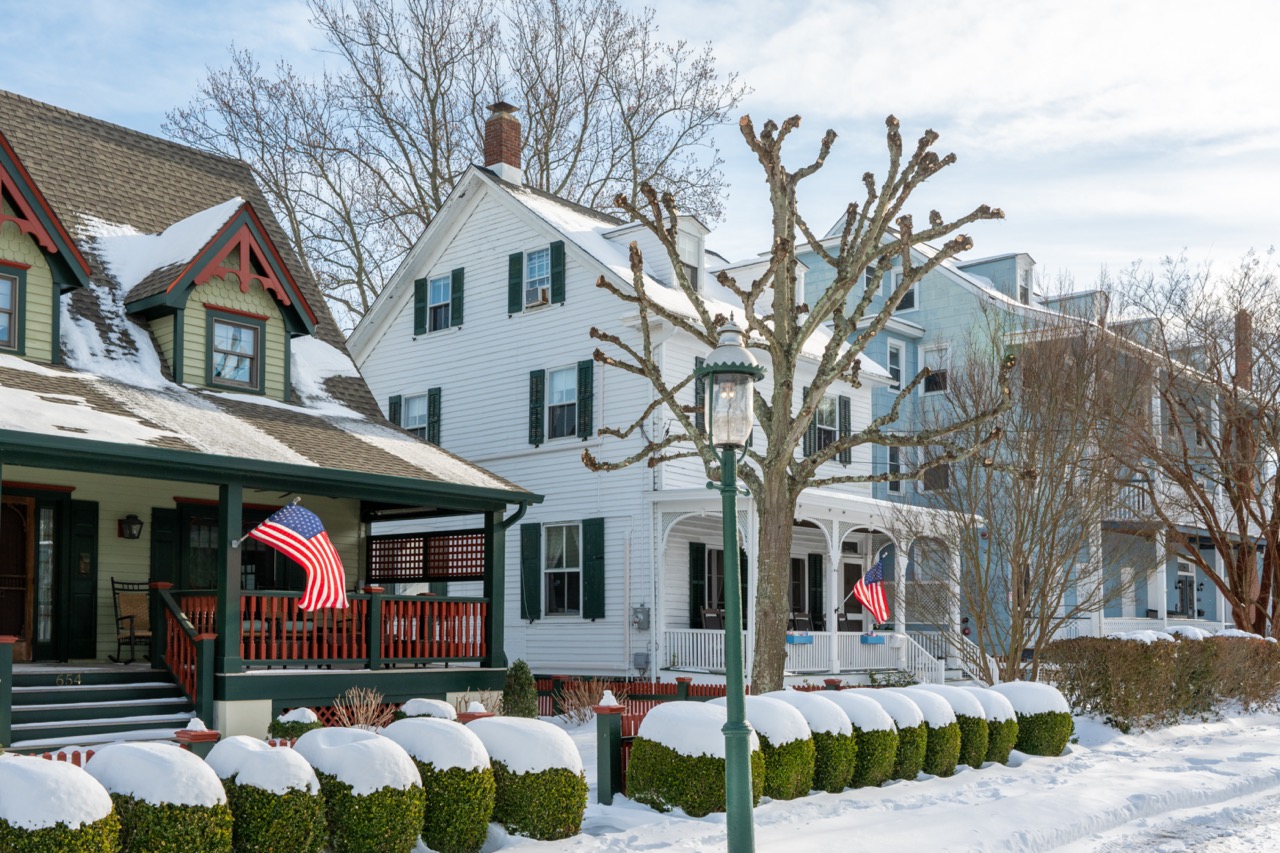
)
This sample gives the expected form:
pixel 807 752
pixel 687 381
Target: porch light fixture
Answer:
pixel 731 373
pixel 129 527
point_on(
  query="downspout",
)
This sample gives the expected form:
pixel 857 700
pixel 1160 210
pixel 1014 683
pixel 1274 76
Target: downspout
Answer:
pixel 520 511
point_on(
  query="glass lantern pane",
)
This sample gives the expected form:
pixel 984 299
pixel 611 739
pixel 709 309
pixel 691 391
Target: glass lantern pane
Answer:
pixel 730 408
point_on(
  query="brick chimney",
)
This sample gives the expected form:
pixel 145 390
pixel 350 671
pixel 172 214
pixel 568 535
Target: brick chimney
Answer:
pixel 502 143
pixel 1244 350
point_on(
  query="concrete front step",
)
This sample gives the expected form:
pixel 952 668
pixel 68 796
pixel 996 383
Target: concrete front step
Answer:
pixel 23 696
pixel 72 711
pixel 72 703
pixel 76 731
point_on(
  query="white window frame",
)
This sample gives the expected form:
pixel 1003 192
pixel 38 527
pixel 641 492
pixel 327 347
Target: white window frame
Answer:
pixel 826 434
pixel 894 466
pixel 537 291
pixel 446 303
pixel 12 311
pixel 566 571
pixel 409 421
pixel 255 357
pixel 895 347
pixel 572 370
pixel 944 361
pixel 891 281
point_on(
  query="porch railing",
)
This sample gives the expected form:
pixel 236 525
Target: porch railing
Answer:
pixel 188 652
pixel 375 629
pixel 699 649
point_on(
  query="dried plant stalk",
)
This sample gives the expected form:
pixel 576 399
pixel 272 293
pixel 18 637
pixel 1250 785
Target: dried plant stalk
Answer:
pixel 576 697
pixel 362 708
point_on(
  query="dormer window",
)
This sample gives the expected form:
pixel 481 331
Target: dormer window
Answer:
pixel 9 291
pixel 689 248
pixel 1024 287
pixel 235 351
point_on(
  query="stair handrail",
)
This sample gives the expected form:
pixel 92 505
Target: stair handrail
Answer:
pixel 188 654
pixel 970 656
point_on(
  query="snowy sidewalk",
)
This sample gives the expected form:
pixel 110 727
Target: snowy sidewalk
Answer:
pixel 1109 792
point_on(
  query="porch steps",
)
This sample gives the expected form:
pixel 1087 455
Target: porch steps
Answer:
pixel 97 706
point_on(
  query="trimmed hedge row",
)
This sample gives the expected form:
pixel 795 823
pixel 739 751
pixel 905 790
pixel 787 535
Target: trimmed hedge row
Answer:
pixel 1001 738
pixel 147 827
pixel 101 836
pixel 1134 685
pixel 975 737
pixel 459 804
pixel 664 779
pixel 547 805
pixel 265 822
pixel 835 756
pixel 788 769
pixel 911 746
pixel 388 819
pixel 877 753
pixel 1046 733
pixel 942 749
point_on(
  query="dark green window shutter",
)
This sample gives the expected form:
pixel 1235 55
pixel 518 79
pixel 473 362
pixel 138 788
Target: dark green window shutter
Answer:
pixel 438 587
pixel 393 409
pixel 742 583
pixel 593 568
pixel 82 583
pixel 697 582
pixel 433 416
pixel 530 571
pixel 537 397
pixel 164 545
pixel 420 307
pixel 586 399
pixel 700 397
pixel 557 271
pixel 811 432
pixel 515 283
pixel 455 297
pixel 846 427
pixel 815 586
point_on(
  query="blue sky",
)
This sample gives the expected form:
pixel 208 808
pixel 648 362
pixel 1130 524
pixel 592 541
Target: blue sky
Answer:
pixel 1108 131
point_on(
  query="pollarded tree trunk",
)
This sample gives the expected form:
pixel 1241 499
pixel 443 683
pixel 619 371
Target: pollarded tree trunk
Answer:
pixel 776 509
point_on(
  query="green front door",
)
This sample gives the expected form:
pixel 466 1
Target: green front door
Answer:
pixel 79 589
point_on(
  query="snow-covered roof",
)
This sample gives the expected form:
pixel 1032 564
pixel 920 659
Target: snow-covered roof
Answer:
pixel 131 255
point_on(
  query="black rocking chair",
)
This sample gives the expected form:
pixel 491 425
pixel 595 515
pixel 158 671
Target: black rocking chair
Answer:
pixel 132 601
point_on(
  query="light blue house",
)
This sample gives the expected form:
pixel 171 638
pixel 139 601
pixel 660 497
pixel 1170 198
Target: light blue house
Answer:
pixel 932 326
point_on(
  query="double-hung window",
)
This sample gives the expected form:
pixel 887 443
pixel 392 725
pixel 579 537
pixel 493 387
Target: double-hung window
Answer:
pixel 892 280
pixel 537 277
pixel 895 468
pixel 562 402
pixel 938 361
pixel 235 353
pixel 414 418
pixel 895 366
pixel 439 299
pixel 827 423
pixel 8 312
pixel 1024 287
pixel 562 569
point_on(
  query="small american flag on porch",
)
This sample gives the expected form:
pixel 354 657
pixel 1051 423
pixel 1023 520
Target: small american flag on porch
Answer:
pixel 298 534
pixel 870 591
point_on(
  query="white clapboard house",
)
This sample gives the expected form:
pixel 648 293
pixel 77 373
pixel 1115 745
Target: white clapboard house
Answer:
pixel 480 344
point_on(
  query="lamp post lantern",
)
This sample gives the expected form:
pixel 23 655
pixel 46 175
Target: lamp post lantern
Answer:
pixel 731 373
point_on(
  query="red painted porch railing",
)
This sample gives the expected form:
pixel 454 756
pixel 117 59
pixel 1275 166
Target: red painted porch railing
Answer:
pixel 274 628
pixel 180 653
pixel 433 629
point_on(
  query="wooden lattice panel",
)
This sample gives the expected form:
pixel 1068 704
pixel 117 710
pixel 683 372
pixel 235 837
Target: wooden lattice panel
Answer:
pixel 398 558
pixel 455 556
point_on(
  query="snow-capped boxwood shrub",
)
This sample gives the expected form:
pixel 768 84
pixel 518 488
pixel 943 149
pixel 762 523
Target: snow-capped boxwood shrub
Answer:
pixel 274 797
pixel 294 724
pixel 426 708
pixel 1044 718
pixel 785 743
pixel 541 789
pixel 166 798
pixel 677 759
pixel 373 798
pixel 456 778
pixel 942 742
pixel 907 717
pixel 835 748
pixel 54 807
pixel 519 691
pixel 971 717
pixel 1002 723
pixel 876 734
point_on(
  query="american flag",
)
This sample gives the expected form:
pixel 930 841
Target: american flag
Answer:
pixel 298 534
pixel 870 591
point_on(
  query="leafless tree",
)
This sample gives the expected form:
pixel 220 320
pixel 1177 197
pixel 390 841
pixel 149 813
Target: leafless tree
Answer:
pixel 1213 342
pixel 1024 518
pixel 357 161
pixel 876 232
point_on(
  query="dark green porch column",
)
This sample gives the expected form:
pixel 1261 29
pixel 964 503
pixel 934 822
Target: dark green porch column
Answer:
pixel 495 585
pixel 230 522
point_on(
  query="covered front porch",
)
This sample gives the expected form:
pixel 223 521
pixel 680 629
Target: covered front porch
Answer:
pixel 222 615
pixel 837 537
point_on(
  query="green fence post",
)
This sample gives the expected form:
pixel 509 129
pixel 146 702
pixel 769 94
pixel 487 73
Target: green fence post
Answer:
pixel 159 625
pixel 206 651
pixel 374 637
pixel 608 752
pixel 682 687
pixel 6 689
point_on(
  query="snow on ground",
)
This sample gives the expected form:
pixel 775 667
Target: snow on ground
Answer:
pixel 1207 787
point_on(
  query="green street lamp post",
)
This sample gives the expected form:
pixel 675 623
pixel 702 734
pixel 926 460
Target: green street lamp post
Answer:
pixel 731 373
